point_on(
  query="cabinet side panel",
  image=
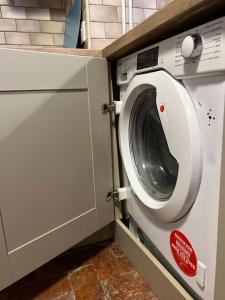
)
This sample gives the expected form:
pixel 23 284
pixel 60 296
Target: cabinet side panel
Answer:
pixel 98 84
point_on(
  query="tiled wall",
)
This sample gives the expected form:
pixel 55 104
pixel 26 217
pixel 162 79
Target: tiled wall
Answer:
pixel 104 18
pixel 42 22
pixel 162 3
pixel 32 23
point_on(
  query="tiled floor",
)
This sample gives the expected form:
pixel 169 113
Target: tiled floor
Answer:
pixel 95 272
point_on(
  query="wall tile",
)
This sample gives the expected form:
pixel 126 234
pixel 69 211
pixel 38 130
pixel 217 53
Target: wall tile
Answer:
pixel 17 38
pixel 26 3
pixel 6 2
pixel 138 15
pixel 149 12
pixel 36 47
pixel 38 14
pixel 10 12
pixel 25 20
pixel 119 12
pixel 41 39
pixel 97 30
pixel 50 3
pixel 95 1
pixel 112 2
pixel 2 38
pixel 145 3
pixel 7 25
pixel 52 26
pixel 57 15
pixel 100 43
pixel 162 3
pixel 28 25
pixel 113 30
pixel 103 13
pixel 59 40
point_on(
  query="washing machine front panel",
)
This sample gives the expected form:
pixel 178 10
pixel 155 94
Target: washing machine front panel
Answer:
pixel 160 144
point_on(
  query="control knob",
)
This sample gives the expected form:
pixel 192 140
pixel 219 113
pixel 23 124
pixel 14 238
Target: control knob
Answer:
pixel 191 46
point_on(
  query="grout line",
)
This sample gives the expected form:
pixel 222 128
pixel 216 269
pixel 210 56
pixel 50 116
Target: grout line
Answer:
pixel 74 297
pixel 5 38
pixel 78 269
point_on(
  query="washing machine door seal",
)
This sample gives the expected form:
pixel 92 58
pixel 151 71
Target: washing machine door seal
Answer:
pixel 160 144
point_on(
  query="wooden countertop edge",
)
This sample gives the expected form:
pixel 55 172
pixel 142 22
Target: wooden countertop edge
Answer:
pixel 65 51
pixel 176 17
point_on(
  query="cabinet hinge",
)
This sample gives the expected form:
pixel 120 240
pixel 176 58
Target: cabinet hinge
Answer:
pixel 115 107
pixel 118 194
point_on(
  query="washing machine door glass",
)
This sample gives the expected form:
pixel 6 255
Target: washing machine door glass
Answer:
pixel 160 144
pixel 156 167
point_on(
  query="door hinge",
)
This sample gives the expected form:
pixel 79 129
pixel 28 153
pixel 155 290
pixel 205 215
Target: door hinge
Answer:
pixel 118 194
pixel 115 107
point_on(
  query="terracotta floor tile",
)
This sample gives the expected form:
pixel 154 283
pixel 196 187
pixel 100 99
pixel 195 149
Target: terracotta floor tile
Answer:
pixel 94 272
pixel 116 250
pixel 128 286
pixel 122 265
pixel 77 258
pixel 86 284
pixel 111 262
pixel 103 263
pixel 44 290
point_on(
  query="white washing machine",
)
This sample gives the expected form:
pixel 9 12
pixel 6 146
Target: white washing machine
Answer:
pixel 171 127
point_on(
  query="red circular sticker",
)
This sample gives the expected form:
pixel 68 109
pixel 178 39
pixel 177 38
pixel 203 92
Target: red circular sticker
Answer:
pixel 162 108
pixel 183 253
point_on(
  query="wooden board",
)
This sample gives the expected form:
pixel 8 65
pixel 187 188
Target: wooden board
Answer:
pixel 66 51
pixel 174 18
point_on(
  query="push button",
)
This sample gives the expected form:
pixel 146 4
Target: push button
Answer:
pixel 201 274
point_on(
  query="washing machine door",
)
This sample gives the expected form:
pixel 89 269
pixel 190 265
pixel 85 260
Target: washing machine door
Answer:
pixel 160 144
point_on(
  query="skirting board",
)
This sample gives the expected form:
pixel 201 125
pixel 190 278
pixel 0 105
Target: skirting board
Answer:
pixel 161 281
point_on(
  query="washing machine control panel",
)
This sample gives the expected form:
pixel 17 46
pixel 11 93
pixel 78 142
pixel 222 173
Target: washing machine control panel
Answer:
pixel 194 53
pixel 148 58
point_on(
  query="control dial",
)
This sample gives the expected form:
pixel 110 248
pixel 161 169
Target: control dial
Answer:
pixel 191 46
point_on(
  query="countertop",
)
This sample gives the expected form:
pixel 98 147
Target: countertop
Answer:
pixel 174 18
pixel 66 51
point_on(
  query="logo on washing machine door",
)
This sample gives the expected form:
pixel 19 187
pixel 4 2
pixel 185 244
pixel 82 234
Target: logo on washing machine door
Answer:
pixel 183 253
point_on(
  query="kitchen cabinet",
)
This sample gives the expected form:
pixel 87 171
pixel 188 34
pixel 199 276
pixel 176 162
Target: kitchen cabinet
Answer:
pixel 55 156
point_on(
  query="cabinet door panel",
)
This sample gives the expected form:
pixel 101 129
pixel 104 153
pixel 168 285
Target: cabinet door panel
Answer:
pixel 55 155
pixel 46 176
pixel 27 70
pixel 5 273
pixel 41 250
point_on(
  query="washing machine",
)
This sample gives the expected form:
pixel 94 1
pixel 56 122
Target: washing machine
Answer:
pixel 171 139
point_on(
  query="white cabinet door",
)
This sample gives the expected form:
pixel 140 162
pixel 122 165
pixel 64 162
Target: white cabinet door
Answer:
pixel 55 155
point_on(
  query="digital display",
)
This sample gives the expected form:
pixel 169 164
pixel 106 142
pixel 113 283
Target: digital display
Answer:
pixel 148 58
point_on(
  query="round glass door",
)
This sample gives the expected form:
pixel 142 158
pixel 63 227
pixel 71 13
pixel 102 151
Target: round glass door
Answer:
pixel 156 168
